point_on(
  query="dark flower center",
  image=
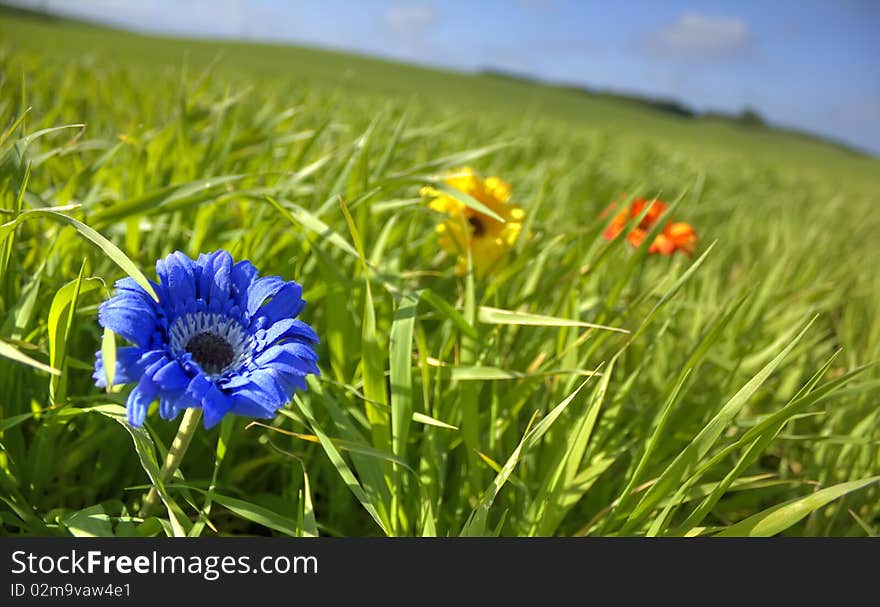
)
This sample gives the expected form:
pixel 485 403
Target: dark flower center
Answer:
pixel 212 352
pixel 477 224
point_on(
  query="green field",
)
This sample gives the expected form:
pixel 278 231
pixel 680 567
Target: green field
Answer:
pixel 741 397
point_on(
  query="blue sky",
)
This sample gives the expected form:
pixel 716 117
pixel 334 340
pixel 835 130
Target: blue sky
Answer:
pixel 809 64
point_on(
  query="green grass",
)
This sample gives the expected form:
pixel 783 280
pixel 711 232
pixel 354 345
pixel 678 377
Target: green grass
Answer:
pixel 740 399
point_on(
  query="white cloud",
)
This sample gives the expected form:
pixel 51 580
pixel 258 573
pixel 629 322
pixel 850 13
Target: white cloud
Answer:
pixel 693 35
pixel 408 32
pixel 409 19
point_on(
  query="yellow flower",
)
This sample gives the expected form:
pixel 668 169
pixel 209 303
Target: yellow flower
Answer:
pixel 488 239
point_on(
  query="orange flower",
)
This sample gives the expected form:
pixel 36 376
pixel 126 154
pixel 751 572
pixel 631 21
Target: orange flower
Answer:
pixel 678 236
pixel 657 208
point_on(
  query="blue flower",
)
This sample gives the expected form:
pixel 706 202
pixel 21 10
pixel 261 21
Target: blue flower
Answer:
pixel 220 338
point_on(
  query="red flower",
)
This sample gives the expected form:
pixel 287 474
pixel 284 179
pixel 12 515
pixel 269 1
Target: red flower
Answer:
pixel 678 236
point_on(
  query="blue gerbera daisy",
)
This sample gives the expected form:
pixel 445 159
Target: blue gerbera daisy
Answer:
pixel 220 338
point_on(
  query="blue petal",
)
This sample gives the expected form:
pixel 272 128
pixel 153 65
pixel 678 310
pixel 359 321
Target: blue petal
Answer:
pixel 136 407
pixel 268 401
pixel 129 285
pixel 127 288
pixel 301 330
pixel 243 275
pixel 286 303
pixel 264 379
pixel 260 290
pixel 168 408
pixel 216 404
pixel 127 368
pixel 234 381
pixel 290 383
pixel 139 401
pixel 180 400
pixel 287 328
pixel 210 264
pixel 198 387
pixel 128 317
pixel 290 349
pixel 291 366
pixel 206 265
pixel 171 377
pixel 220 284
pixel 176 272
pixel 252 404
pixel 152 360
pixel 274 332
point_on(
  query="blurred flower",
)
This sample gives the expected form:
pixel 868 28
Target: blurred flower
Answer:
pixel 488 239
pixel 220 338
pixel 678 236
pixel 656 209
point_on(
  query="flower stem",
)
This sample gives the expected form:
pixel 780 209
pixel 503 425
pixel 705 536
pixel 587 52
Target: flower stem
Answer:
pixel 185 432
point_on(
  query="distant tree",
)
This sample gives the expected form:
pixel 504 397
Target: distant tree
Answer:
pixel 751 117
pixel 669 106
